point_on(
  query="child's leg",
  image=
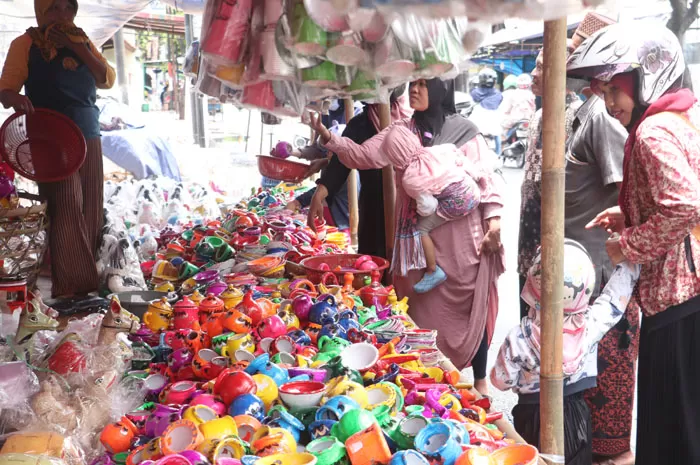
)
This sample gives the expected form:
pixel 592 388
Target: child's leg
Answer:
pixel 429 249
pixel 434 275
pixel 424 226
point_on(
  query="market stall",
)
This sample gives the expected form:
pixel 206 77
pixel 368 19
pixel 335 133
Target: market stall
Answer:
pixel 237 334
pixel 251 364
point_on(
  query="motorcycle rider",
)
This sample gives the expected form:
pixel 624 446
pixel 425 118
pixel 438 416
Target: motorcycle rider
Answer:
pixel 518 104
pixel 510 83
pixel 488 98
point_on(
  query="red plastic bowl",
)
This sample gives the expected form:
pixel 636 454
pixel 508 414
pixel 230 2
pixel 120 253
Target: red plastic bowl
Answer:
pixel 45 146
pixel 312 265
pixel 282 170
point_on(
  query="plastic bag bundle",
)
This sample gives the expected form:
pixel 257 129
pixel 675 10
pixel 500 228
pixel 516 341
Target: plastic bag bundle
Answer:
pixel 487 10
pixel 192 58
pixel 18 383
pixel 39 447
pixel 226 30
pixel 298 51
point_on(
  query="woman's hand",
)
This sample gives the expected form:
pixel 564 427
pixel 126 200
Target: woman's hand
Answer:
pixel 20 103
pixel 96 67
pixel 293 206
pixel 614 249
pixel 316 206
pixel 491 243
pixel 316 166
pixel 60 38
pixel 612 220
pixel 316 124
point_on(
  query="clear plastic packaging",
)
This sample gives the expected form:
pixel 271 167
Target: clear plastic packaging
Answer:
pixel 192 59
pixel 225 30
pixel 492 11
pixel 39 446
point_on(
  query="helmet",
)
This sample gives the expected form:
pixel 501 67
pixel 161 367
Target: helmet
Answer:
pixel 579 279
pixel 510 82
pixel 473 82
pixel 487 77
pixel 649 49
pixel 524 81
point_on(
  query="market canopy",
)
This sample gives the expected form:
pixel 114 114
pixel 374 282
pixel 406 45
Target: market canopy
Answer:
pixel 99 18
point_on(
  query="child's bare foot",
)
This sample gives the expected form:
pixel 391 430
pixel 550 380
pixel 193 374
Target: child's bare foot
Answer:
pixel 482 386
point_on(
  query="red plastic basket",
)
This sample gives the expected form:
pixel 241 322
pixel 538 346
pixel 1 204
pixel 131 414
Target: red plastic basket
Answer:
pixel 45 146
pixel 282 170
pixel 345 261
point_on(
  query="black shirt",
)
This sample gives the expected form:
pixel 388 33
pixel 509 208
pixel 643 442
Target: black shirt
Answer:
pixel 371 201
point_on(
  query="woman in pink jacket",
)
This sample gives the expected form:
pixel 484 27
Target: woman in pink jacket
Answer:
pixel 638 70
pixel 464 308
pixel 441 180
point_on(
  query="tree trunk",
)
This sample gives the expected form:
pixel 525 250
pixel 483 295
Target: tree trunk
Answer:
pixel 682 18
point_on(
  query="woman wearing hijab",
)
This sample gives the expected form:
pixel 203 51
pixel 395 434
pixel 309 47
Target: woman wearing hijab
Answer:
pixel 370 231
pixel 464 308
pixel 638 70
pixel 60 69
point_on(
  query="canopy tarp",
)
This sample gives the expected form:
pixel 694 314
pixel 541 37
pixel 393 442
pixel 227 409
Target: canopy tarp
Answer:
pixel 99 18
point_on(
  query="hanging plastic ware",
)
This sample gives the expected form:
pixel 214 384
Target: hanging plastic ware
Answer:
pixel 346 50
pixel 274 67
pixel 323 75
pixel 45 146
pixel 393 59
pixel 230 23
pixel 325 14
pixel 259 95
pixel 309 38
pixel 273 11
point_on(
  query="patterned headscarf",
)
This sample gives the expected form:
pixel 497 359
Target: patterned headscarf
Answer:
pixel 40 35
pixel 42 6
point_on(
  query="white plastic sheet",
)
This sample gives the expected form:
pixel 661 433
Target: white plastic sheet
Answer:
pixel 99 18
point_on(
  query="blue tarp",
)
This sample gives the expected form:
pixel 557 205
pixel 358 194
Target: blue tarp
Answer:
pixel 516 65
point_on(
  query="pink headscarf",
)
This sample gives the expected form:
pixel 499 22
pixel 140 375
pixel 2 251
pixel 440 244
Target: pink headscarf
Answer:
pixel 578 282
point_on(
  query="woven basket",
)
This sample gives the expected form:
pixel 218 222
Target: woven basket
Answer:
pixel 23 239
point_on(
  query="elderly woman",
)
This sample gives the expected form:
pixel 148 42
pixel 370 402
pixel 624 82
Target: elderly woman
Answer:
pixel 61 71
pixel 638 70
pixel 463 309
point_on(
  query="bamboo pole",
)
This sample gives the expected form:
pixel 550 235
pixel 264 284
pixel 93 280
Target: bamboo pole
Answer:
pixel 352 184
pixel 553 109
pixel 388 187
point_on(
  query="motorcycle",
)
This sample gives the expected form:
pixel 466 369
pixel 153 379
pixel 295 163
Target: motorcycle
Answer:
pixel 515 144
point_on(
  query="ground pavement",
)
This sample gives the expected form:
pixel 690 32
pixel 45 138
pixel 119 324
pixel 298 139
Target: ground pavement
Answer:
pixel 509 303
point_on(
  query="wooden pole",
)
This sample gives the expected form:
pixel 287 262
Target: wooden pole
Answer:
pixel 553 109
pixel 389 188
pixel 352 184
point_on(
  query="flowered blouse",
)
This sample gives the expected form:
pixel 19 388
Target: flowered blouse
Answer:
pixel 663 207
pixel 530 205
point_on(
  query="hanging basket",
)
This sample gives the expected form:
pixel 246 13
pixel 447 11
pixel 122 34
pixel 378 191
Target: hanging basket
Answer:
pixel 23 239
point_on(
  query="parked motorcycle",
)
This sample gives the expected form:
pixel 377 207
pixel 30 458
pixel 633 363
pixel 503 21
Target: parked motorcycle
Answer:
pixel 515 144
